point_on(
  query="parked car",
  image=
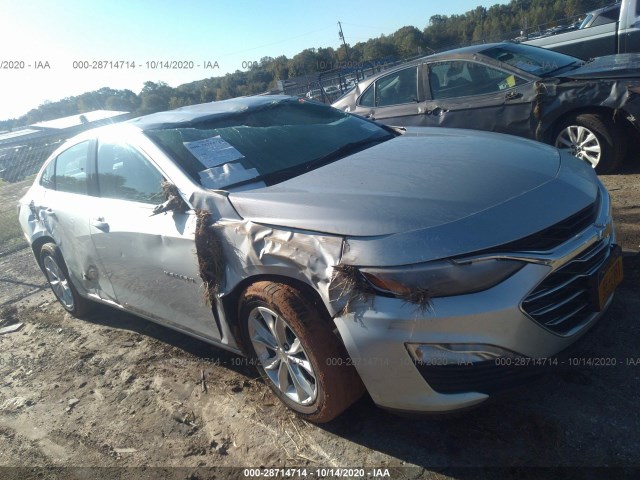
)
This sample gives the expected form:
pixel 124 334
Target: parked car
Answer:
pixel 332 90
pixel 606 31
pixel 333 252
pixel 590 108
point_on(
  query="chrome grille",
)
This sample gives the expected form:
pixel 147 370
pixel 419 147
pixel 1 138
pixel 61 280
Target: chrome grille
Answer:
pixel 563 301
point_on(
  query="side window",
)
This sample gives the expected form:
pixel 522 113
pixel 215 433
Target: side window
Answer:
pixel 47 180
pixel 367 99
pixel 125 174
pixel 608 16
pixel 70 169
pixel 461 79
pixel 397 88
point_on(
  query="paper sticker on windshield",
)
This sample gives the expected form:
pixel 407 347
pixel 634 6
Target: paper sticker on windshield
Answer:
pixel 220 177
pixel 213 151
pixel 508 82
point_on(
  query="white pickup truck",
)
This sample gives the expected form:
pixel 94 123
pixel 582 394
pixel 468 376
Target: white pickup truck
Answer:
pixel 610 33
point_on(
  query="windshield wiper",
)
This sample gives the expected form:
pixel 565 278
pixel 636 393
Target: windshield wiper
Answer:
pixel 343 151
pixel 550 72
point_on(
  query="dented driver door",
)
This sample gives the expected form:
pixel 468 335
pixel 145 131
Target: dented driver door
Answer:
pixel 149 259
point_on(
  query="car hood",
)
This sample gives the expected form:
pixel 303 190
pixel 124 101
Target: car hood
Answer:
pixel 447 191
pixel 422 179
pixel 623 65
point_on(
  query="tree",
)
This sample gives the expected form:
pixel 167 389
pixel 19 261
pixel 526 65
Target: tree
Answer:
pixel 408 42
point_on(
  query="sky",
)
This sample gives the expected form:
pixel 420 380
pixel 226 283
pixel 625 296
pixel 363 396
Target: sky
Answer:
pixel 44 45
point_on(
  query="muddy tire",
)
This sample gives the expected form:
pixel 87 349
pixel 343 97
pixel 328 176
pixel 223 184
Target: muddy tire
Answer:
pixel 296 351
pixel 594 139
pixel 55 269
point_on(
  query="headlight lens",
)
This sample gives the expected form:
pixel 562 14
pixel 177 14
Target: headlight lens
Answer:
pixel 442 278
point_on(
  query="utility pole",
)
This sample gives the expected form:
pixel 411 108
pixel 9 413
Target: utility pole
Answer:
pixel 341 35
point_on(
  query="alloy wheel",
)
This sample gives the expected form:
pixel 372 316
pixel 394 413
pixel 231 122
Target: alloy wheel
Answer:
pixel 282 356
pixel 58 281
pixel 581 142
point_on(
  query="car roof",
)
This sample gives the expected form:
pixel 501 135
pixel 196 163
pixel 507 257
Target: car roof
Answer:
pixel 193 114
pixel 456 52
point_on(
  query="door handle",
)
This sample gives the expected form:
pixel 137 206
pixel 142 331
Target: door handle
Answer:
pixel 512 95
pixel 100 224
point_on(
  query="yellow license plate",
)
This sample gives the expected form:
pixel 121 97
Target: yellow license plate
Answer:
pixel 608 279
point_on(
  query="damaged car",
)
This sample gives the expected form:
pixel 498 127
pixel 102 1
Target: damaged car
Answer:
pixel 425 266
pixel 591 109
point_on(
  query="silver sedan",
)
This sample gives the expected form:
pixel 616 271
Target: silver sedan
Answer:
pixel 338 255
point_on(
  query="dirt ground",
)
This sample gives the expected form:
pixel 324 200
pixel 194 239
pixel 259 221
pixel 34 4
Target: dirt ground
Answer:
pixel 116 391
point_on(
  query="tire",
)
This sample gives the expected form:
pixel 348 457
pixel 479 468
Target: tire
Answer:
pixel 297 354
pixel 592 138
pixel 55 269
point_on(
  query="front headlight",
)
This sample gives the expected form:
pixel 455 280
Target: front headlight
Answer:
pixel 443 278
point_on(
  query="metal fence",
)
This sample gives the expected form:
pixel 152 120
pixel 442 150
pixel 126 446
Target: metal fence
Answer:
pixel 20 160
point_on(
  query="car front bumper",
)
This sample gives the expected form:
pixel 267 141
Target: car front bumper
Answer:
pixel 379 332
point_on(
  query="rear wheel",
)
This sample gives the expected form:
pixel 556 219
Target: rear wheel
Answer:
pixel 58 277
pixel 594 139
pixel 295 351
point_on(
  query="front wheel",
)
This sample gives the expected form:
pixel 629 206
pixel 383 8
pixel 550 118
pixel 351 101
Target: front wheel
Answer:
pixel 57 275
pixel 298 356
pixel 594 139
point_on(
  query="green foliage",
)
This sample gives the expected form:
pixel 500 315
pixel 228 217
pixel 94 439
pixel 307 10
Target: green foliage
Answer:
pixel 496 23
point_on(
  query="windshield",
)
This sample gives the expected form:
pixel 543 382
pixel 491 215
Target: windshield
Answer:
pixel 538 61
pixel 266 144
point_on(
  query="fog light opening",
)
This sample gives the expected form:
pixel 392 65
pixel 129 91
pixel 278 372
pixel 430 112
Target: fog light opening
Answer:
pixel 457 354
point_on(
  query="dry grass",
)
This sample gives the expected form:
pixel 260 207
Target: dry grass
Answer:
pixel 174 202
pixel 421 298
pixel 10 231
pixel 348 282
pixel 210 255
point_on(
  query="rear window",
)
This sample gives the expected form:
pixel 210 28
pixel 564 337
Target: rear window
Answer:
pixel 266 144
